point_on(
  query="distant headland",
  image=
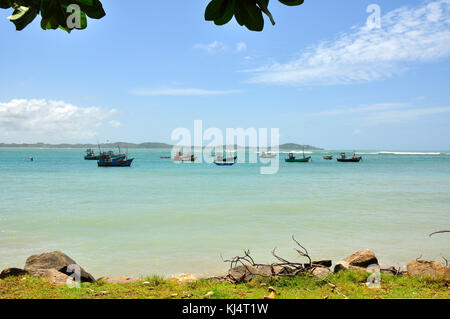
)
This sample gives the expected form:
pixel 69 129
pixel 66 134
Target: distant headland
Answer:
pixel 147 145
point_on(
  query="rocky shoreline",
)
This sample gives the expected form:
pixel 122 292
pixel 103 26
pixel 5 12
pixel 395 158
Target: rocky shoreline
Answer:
pixel 60 269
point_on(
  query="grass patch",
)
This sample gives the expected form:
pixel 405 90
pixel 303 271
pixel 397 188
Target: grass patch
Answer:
pixel 348 283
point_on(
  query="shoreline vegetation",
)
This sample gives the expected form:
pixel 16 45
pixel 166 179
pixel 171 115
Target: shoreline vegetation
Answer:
pixel 357 276
pixel 148 145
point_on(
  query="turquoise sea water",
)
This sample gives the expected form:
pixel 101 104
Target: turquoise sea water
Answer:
pixel 158 217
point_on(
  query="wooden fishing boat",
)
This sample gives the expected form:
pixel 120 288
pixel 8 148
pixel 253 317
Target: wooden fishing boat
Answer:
pixel 293 159
pixel 328 157
pixel 91 156
pixel 121 160
pixel 179 157
pixel 353 159
pixel 265 155
pixel 225 161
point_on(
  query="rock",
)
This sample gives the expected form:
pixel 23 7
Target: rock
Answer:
pixel 12 272
pixel 325 263
pixel 270 296
pixel 37 265
pixel 389 269
pixel 208 294
pixel 57 277
pixel 431 269
pixel 248 273
pixel 118 280
pixel 357 261
pixel 271 289
pixel 321 272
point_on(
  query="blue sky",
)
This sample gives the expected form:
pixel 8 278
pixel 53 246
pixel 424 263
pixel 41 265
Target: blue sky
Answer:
pixel 320 75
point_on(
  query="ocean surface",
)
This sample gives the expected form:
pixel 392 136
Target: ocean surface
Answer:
pixel 158 217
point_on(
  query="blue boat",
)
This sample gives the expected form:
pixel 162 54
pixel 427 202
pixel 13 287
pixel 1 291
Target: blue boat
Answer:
pixel 91 156
pixel 121 160
pixel 224 163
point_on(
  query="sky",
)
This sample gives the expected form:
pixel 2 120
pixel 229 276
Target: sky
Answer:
pixel 326 75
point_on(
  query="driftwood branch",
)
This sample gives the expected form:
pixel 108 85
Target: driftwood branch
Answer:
pixel 303 252
pixel 285 268
pixel 282 267
pixel 439 232
pixel 246 259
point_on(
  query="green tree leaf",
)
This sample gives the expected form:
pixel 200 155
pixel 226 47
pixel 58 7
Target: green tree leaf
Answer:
pixel 5 4
pixel 228 14
pixel 292 2
pixel 23 16
pixel 249 14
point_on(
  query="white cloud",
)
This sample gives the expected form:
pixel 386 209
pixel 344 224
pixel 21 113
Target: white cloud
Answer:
pixel 23 120
pixel 363 109
pixel 180 92
pixel 407 35
pixel 212 47
pixel 217 46
pixel 241 46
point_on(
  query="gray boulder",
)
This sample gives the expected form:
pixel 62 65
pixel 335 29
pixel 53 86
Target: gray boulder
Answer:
pixel 325 263
pixel 37 265
pixel 57 277
pixel 12 272
pixel 247 272
pixel 321 272
pixel 357 261
pixel 431 269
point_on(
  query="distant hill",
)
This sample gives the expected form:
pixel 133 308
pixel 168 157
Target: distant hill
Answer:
pixel 147 145
pixel 293 146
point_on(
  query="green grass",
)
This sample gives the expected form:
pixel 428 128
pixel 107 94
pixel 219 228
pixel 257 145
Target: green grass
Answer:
pixel 349 284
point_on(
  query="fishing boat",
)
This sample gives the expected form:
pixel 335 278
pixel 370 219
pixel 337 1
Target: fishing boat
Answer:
pixel 225 161
pixel 353 159
pixel 265 155
pixel 179 157
pixel 91 156
pixel 293 159
pixel 328 157
pixel 115 161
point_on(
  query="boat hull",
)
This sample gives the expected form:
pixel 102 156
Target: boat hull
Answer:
pixel 92 158
pixel 116 163
pixel 349 160
pixel 224 163
pixel 298 160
